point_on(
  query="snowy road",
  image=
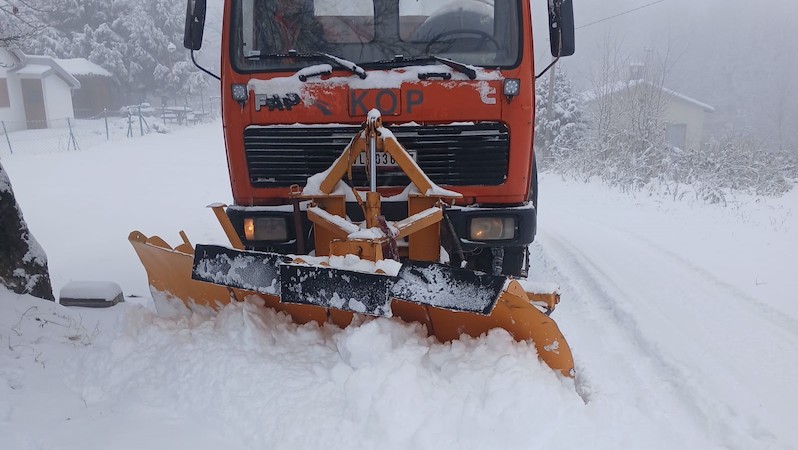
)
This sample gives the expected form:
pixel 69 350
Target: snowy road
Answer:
pixel 657 322
pixel 683 320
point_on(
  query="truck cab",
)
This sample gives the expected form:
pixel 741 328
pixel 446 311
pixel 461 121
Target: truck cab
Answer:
pixel 452 79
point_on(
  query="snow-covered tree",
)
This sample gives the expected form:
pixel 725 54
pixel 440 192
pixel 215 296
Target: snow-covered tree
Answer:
pixel 19 22
pixel 23 263
pixel 559 123
pixel 136 40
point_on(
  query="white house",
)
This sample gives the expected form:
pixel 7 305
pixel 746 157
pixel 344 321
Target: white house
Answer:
pixel 683 116
pixel 685 119
pixel 35 91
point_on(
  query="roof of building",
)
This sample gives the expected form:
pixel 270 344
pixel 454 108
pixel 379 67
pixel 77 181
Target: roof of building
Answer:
pixel 8 59
pixel 33 69
pixel 621 85
pixel 40 66
pixel 83 67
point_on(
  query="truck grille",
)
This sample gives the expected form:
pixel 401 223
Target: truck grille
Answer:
pixel 454 155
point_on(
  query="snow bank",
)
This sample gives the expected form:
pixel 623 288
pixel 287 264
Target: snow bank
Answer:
pixel 381 384
pixel 253 377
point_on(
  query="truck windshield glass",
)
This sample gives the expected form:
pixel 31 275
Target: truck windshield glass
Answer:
pixel 372 32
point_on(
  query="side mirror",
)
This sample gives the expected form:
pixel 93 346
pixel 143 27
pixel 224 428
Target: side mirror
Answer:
pixel 561 27
pixel 195 24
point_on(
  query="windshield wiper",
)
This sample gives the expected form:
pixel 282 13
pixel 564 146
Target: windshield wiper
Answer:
pixel 469 71
pixel 349 65
pixel 352 67
pixel 466 69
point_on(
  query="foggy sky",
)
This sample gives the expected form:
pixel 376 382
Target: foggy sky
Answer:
pixel 736 55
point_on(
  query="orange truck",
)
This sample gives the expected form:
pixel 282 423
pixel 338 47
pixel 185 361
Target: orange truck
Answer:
pixel 453 79
pixel 381 161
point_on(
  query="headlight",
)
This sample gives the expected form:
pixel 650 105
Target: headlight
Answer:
pixel 492 228
pixel 265 229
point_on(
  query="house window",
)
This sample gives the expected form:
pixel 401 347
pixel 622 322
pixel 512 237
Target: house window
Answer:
pixel 677 134
pixel 5 101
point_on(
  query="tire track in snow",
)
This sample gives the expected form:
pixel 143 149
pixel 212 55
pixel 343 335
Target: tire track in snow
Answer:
pixel 682 350
pixel 778 318
pixel 638 362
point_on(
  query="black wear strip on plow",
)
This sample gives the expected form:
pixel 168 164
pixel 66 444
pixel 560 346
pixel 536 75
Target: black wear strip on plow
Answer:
pixel 449 288
pixel 360 292
pixel 249 270
pixel 425 283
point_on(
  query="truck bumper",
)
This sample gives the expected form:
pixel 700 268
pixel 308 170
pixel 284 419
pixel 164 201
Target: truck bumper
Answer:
pixel 464 220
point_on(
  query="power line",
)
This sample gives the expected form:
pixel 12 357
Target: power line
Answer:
pixel 620 14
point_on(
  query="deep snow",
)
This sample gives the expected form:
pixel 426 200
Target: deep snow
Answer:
pixel 682 317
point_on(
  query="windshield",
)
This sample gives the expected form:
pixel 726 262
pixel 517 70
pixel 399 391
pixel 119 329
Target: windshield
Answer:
pixel 374 32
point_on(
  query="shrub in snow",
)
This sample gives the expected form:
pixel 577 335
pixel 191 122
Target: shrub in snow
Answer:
pixel 719 168
pixel 734 163
pixel 23 264
pixel 621 140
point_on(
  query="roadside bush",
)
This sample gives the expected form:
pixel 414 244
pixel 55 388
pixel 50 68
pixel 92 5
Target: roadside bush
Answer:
pixel 721 167
pixel 616 133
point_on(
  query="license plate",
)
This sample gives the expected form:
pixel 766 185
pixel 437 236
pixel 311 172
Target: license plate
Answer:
pixel 383 159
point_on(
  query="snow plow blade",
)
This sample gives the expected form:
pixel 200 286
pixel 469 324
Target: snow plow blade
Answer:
pixel 170 277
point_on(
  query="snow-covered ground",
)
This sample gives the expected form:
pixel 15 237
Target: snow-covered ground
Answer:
pixel 683 320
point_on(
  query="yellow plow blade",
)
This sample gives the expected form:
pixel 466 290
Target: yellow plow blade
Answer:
pixel 169 273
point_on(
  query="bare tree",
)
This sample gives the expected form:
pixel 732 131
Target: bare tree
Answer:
pixel 605 81
pixel 626 111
